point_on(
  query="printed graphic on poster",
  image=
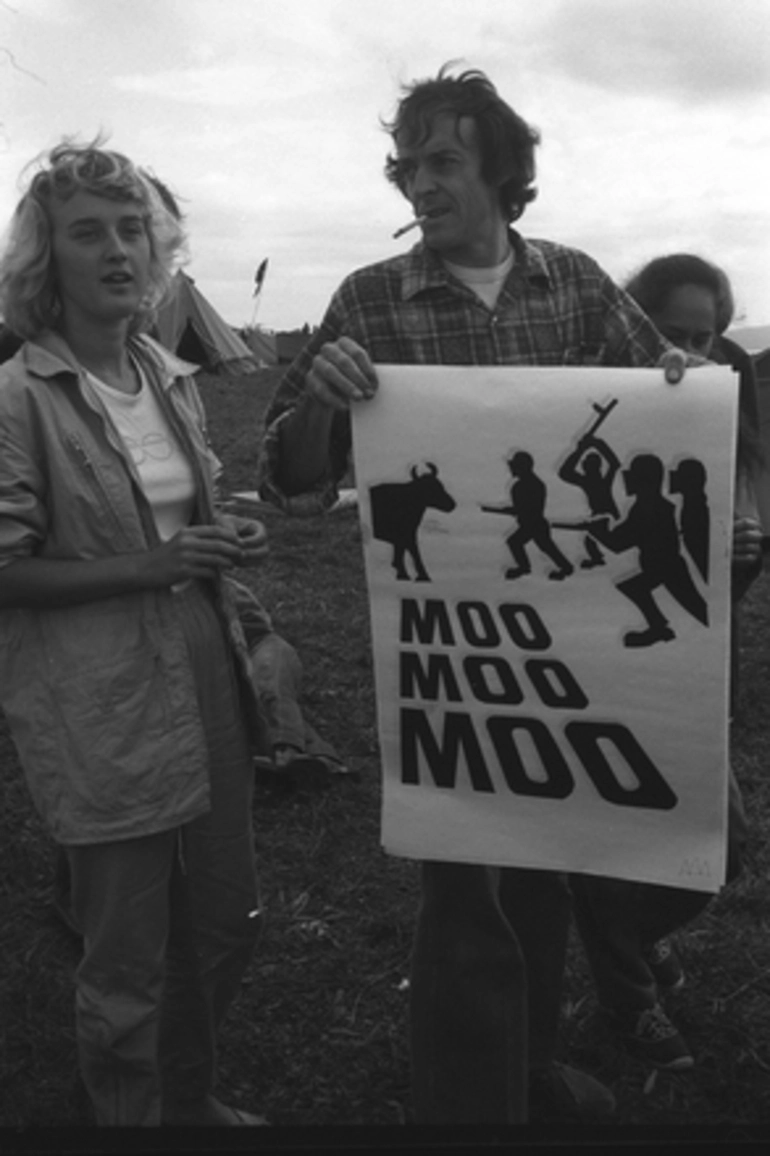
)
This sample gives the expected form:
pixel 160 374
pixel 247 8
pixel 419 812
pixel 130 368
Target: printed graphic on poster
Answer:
pixel 547 552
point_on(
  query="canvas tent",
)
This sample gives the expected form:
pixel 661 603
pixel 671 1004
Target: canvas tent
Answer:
pixel 263 345
pixel 189 326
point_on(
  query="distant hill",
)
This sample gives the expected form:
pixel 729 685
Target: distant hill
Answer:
pixel 753 338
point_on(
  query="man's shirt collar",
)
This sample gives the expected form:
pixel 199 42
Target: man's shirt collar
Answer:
pixel 424 269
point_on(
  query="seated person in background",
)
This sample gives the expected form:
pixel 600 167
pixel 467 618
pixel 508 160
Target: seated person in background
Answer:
pixel 298 754
pixel 625 926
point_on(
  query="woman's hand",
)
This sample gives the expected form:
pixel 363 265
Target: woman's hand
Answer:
pixel 195 552
pixel 251 535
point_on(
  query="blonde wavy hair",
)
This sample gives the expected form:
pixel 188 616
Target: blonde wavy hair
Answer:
pixel 29 296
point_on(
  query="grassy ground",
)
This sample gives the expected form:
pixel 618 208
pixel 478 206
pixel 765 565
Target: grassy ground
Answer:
pixel 318 1034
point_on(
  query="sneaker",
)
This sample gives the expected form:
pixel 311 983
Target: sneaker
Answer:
pixel 563 1093
pixel 665 965
pixel 654 1039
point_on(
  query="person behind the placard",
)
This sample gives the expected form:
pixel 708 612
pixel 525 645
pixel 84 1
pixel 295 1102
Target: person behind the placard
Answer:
pixel 691 302
pixel 489 949
pixel 625 926
pixel 124 675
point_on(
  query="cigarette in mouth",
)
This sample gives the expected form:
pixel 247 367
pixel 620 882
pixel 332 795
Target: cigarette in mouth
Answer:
pixel 412 225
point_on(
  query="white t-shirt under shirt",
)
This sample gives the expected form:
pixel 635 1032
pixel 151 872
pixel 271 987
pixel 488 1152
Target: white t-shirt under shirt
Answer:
pixel 485 283
pixel 164 471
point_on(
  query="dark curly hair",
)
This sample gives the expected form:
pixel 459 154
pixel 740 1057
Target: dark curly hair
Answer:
pixel 29 293
pixel 651 285
pixel 507 143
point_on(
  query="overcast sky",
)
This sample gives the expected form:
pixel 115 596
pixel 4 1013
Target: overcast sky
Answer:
pixel 263 116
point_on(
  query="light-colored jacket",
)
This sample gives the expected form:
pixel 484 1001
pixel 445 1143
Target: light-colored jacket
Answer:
pixel 99 697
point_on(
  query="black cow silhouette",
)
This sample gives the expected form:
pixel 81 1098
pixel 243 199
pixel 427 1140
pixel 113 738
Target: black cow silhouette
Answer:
pixel 397 510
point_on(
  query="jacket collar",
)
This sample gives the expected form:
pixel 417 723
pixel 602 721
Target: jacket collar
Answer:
pixel 425 269
pixel 49 355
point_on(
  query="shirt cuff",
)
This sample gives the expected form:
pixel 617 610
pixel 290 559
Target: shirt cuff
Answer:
pixel 316 500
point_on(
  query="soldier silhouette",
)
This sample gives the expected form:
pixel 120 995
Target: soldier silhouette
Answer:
pixel 650 527
pixel 528 494
pixel 592 466
pixel 689 480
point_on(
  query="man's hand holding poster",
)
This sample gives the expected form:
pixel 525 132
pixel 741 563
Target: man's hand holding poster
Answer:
pixel 548 558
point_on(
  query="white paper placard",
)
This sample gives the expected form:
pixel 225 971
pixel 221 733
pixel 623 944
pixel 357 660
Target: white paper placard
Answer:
pixel 532 709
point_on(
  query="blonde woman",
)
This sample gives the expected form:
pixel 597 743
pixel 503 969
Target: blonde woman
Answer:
pixel 123 673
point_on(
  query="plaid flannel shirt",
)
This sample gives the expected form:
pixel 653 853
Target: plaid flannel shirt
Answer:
pixel 557 307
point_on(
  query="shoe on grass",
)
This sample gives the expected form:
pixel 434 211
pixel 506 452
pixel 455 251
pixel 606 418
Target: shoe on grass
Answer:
pixel 209 1113
pixel 665 965
pixel 652 1037
pixel 563 1093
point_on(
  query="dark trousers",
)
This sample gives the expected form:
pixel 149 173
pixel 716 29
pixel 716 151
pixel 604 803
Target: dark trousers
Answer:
pixel 169 920
pixel 618 919
pixel 487 969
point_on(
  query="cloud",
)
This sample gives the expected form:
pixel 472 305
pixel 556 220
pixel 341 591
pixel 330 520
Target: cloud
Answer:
pixel 686 49
pixel 264 117
pixel 239 87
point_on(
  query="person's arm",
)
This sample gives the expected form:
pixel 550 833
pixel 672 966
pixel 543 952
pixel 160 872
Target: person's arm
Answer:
pixel 306 445
pixel 751 457
pixel 340 373
pixel 195 552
